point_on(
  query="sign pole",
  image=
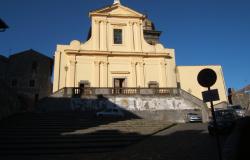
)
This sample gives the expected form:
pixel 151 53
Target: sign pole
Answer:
pixel 215 126
pixel 207 78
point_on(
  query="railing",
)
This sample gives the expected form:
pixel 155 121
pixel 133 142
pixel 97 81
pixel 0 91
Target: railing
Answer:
pixel 191 98
pixel 120 91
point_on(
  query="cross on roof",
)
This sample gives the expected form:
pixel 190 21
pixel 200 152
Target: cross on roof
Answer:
pixel 117 2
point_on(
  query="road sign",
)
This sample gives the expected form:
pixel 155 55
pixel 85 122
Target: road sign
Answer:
pixel 211 95
pixel 207 77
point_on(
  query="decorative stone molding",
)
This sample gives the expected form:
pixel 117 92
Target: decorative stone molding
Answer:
pixel 120 72
pixel 163 63
pixel 96 62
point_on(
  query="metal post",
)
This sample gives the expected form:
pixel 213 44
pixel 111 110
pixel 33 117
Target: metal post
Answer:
pixel 215 126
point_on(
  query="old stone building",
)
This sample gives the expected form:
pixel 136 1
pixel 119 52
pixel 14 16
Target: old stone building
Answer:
pixel 123 64
pixel 3 67
pixel 123 51
pixel 241 97
pixel 29 75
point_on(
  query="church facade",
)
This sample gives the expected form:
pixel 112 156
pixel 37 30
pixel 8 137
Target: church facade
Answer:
pixel 123 51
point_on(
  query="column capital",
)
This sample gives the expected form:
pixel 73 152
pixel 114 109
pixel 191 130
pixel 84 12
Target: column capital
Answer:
pixel 133 63
pixel 96 62
pixel 103 62
pixel 163 63
pixel 141 63
pixel 97 21
pixel 130 23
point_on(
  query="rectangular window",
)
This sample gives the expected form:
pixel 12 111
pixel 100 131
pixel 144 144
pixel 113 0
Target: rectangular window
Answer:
pixel 117 36
pixel 32 83
pixel 34 67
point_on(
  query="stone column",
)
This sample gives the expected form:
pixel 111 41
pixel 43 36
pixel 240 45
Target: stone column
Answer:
pixel 103 31
pixel 136 36
pixel 97 74
pixel 57 71
pixel 107 35
pixel 71 73
pixel 96 34
pixel 163 74
pixel 131 40
pixel 140 73
pixel 101 35
pixel 133 75
pixel 103 74
pixel 108 75
pixel 140 27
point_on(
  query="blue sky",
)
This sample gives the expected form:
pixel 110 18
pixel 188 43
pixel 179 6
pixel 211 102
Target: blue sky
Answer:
pixel 201 31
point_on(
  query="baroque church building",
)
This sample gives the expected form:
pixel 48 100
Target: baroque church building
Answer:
pixel 123 51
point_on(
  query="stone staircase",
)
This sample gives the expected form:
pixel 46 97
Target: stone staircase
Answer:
pixel 71 133
pixel 52 104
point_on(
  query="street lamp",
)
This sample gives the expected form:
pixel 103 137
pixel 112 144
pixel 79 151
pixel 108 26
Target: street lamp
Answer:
pixel 3 25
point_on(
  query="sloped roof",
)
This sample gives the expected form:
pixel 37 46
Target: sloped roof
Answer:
pixel 246 88
pixel 29 52
pixel 3 58
pixel 117 10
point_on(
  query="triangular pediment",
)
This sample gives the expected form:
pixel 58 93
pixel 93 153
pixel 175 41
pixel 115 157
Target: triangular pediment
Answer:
pixel 117 10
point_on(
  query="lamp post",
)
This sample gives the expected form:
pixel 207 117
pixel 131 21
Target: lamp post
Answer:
pixel 3 25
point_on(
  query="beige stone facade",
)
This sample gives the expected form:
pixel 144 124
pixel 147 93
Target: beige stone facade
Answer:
pixel 99 60
pixel 117 55
pixel 187 76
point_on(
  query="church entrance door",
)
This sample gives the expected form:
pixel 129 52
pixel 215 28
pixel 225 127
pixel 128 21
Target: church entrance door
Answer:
pixel 119 83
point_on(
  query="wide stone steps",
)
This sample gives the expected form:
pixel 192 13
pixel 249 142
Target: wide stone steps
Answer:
pixel 70 133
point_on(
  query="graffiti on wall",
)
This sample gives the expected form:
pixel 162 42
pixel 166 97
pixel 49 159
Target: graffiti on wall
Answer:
pixel 133 103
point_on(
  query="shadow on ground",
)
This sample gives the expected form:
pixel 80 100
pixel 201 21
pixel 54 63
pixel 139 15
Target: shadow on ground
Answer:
pixel 80 135
pixel 183 141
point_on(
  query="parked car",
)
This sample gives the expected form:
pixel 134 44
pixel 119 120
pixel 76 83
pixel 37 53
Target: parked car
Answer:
pixel 110 112
pixel 193 117
pixel 240 112
pixel 225 118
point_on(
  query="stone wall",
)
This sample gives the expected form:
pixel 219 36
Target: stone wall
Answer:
pixel 149 107
pixel 242 99
pixel 9 103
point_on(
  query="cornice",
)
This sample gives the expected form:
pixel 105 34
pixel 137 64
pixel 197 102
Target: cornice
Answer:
pixel 117 53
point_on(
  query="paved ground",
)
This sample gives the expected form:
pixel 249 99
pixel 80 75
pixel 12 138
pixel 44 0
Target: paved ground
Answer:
pixel 181 142
pixel 72 137
pixel 44 135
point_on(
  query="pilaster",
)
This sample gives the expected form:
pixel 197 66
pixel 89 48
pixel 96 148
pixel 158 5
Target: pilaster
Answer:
pixel 97 74
pixel 140 77
pixel 134 76
pixel 96 34
pixel 163 74
pixel 103 74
